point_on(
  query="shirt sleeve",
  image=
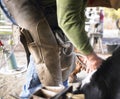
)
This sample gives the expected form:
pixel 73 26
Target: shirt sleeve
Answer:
pixel 71 19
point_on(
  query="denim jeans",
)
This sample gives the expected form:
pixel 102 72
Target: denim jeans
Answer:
pixel 32 81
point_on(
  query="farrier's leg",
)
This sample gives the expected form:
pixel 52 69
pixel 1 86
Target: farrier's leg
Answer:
pixel 67 56
pixel 29 17
pixel 67 61
pixel 32 83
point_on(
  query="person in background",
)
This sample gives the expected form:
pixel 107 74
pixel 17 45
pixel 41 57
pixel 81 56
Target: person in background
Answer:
pixel 101 21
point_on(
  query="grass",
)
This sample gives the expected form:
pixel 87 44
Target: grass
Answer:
pixel 5 32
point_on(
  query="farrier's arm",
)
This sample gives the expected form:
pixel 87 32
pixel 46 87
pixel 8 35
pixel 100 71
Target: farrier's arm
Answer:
pixel 72 21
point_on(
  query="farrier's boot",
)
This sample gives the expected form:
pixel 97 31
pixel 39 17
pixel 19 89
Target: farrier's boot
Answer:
pixel 44 44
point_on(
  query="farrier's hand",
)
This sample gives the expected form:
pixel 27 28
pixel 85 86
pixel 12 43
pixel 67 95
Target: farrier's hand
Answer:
pixel 93 62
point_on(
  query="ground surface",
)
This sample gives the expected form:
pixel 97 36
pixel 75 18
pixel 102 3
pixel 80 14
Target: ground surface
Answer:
pixel 11 84
pixel 11 81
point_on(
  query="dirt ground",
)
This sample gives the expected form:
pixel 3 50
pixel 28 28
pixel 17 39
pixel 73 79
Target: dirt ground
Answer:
pixel 11 81
pixel 11 84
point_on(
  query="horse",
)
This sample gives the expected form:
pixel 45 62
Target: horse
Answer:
pixel 104 83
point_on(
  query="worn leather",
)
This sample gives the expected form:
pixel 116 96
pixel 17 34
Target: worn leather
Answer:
pixel 44 47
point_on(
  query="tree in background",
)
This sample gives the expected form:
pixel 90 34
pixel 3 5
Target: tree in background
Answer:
pixel 114 14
